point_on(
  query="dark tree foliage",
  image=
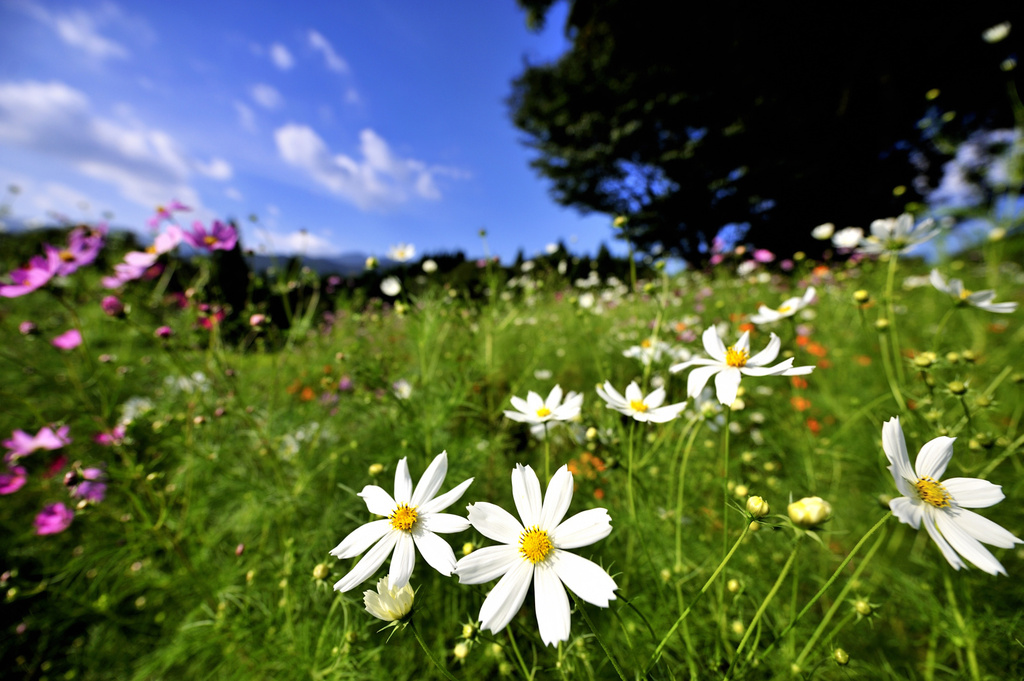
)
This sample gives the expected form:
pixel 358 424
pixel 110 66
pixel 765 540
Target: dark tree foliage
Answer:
pixel 691 116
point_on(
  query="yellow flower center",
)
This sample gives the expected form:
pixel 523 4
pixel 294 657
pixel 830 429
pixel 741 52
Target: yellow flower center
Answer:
pixel 932 492
pixel 638 405
pixel 67 256
pixel 645 343
pixel 784 309
pixel 736 357
pixel 151 249
pixel 403 518
pixel 209 240
pixel 535 545
pixel 543 411
pixel 965 294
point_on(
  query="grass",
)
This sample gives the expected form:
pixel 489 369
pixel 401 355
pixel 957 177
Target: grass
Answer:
pixel 209 556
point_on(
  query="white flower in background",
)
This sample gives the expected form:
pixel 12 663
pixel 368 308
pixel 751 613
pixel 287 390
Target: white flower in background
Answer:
pixel 542 374
pixel 535 551
pixel 979 299
pixel 997 33
pixel 643 409
pixel 535 410
pixel 390 286
pixel 586 300
pixel 897 234
pixel 429 266
pixel 957 532
pixel 402 389
pixel 402 252
pixel 848 237
pixel 412 519
pixel 824 231
pixel 649 350
pixel 746 267
pixel 789 307
pixel 551 249
pixel 527 266
pixel 729 365
pixel 386 603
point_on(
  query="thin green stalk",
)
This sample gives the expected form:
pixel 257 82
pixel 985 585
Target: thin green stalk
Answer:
pixel 703 590
pixel 890 285
pixel 890 375
pixel 966 632
pixel 597 635
pixel 725 519
pixel 825 587
pixel 547 454
pixel 430 655
pixel 760 611
pixel 695 428
pixel 527 674
pixel 629 472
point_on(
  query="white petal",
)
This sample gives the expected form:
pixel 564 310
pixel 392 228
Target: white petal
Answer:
pixel 699 377
pixel 369 563
pixel 938 281
pixel 933 458
pixel 713 344
pixel 727 383
pixel 895 448
pixel 403 483
pixel 551 604
pixel 696 361
pixel 520 418
pixel 947 550
pixel 798 371
pixel 495 523
pixel 447 499
pixel 966 545
pixel 533 402
pixel 507 596
pixel 403 561
pixel 783 368
pixel 973 492
pixel 378 501
pixel 768 355
pixel 907 511
pixel 808 296
pixel 361 538
pixel 445 523
pixel 984 530
pixel 609 394
pixel 633 393
pixel 432 479
pixel 744 342
pixel 556 499
pixel 587 579
pixel 554 398
pixel 526 494
pixel 582 529
pixel 487 563
pixel 570 409
pixel 520 404
pixel 435 551
pixel 655 399
pixel 666 413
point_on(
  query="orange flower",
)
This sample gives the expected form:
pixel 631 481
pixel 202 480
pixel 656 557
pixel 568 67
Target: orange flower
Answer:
pixel 824 364
pixel 599 494
pixel 814 426
pixel 820 270
pixel 800 403
pixel 863 360
pixel 295 387
pixel 798 382
pixel 307 394
pixel 817 349
pixel 748 327
pixel 802 340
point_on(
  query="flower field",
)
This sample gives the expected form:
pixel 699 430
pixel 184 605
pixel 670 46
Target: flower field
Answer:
pixel 769 469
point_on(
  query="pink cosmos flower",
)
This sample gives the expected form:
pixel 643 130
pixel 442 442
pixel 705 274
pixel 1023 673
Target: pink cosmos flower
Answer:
pixel 763 255
pixel 221 237
pixel 257 319
pixel 114 436
pixel 138 263
pixel 32 276
pixel 69 340
pixel 84 245
pixel 166 213
pixel 88 484
pixel 163 332
pixel 22 444
pixel 54 519
pixel 112 306
pixel 26 328
pixel 13 480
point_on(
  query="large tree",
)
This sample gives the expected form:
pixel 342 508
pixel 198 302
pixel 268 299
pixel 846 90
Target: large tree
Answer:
pixel 691 116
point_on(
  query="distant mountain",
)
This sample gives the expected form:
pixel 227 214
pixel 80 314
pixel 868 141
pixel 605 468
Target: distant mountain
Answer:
pixel 344 264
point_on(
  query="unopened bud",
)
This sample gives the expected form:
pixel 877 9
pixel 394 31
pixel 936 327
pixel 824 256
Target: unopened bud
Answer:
pixel 957 387
pixel 810 512
pixel 841 657
pixel 758 507
pixel 861 296
pixel 320 571
pixel 882 323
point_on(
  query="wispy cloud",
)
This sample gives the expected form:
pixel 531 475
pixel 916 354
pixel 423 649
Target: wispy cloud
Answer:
pixel 80 28
pixel 296 241
pixel 216 169
pixel 331 58
pixel 378 180
pixel 281 57
pixel 146 165
pixel 266 96
pixel 233 194
pixel 246 117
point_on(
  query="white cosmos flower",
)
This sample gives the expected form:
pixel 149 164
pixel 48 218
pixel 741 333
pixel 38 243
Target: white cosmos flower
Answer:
pixel 386 603
pixel 649 350
pixel 979 299
pixel 729 365
pixel 651 408
pixel 390 286
pixel 402 252
pixel 535 410
pixel 789 307
pixel 535 551
pixel 412 519
pixel 824 231
pixel 848 237
pixel 942 505
pixel 897 234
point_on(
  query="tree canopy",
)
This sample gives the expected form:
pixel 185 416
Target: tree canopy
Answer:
pixel 780 116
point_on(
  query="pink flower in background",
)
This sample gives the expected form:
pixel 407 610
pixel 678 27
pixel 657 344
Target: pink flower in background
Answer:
pixel 138 263
pixel 112 306
pixel 163 332
pixel 221 237
pixel 257 319
pixel 54 519
pixel 69 340
pixel 88 484
pixel 13 480
pixel 22 444
pixel 210 316
pixel 166 213
pixel 84 245
pixel 26 328
pixel 32 276
pixel 114 436
pixel 763 255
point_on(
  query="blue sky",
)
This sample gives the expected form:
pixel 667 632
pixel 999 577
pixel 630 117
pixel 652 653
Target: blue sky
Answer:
pixel 365 124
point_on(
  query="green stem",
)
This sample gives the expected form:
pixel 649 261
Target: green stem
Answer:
pixel 527 674
pixel 764 605
pixel 968 635
pixel 547 454
pixel 430 655
pixel 695 428
pixel 725 519
pixel 600 641
pixel 703 590
pixel 890 285
pixel 629 472
pixel 890 375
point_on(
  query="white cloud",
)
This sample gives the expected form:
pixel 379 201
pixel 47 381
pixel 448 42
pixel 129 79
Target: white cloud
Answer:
pixel 331 58
pixel 298 241
pixel 266 96
pixel 379 180
pixel 233 194
pixel 246 118
pixel 216 169
pixel 281 57
pixel 80 28
pixel 144 164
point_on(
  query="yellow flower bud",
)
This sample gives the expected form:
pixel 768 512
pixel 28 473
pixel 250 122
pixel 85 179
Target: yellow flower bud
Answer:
pixel 321 571
pixel 810 512
pixel 758 507
pixel 841 657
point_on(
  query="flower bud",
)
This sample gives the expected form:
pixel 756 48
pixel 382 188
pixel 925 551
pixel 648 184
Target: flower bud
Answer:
pixel 957 387
pixel 388 604
pixel 375 469
pixel 862 607
pixel 461 650
pixel 861 296
pixel 758 507
pixel 881 323
pixel 321 571
pixel 841 657
pixel 810 512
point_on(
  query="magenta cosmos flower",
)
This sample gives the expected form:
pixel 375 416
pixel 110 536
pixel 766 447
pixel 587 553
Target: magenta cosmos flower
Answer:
pixel 13 480
pixel 221 237
pixel 32 276
pixel 22 444
pixel 84 245
pixel 69 340
pixel 54 519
